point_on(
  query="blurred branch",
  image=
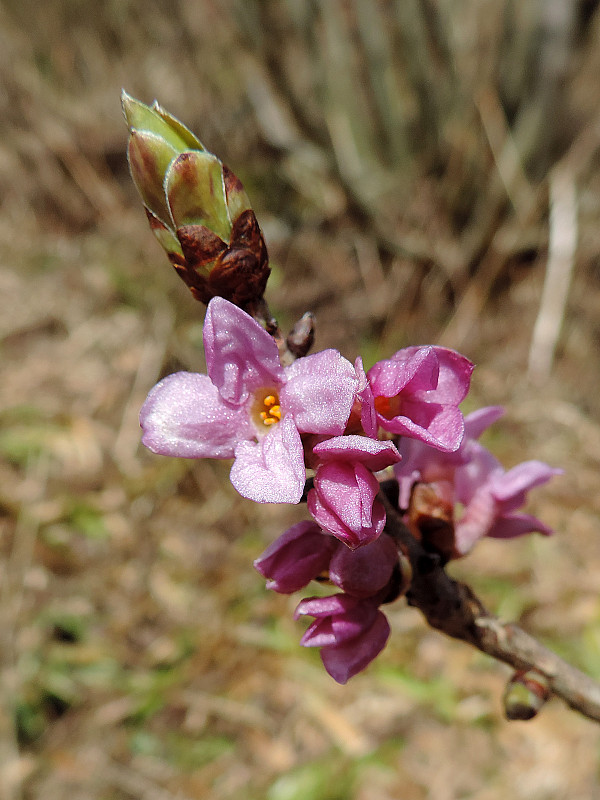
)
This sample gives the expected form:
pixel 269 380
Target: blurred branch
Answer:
pixel 452 608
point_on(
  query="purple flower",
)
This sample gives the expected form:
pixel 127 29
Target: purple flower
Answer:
pixel 249 406
pixel 421 462
pixel 350 632
pixel 343 499
pixel 491 497
pixel 416 393
pixel 297 557
pixel 473 477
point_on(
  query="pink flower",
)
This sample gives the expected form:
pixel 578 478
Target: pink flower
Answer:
pixel 416 393
pixel 350 632
pixel 491 497
pixel 249 407
pixel 426 464
pixel 343 499
pixel 473 477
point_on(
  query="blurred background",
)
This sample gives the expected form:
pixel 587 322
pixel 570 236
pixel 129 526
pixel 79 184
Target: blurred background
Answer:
pixel 425 171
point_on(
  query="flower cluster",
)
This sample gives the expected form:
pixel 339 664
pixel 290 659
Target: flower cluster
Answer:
pixel 349 627
pixel 313 427
pixel 324 419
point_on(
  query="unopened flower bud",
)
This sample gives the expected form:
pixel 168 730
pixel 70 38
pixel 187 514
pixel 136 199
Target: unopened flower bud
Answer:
pixel 300 339
pixel 197 208
pixel 525 694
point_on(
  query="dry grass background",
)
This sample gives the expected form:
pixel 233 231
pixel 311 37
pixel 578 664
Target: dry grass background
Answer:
pixel 401 157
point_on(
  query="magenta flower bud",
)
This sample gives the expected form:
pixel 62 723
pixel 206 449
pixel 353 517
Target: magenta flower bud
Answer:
pixel 296 558
pixel 350 632
pixel 343 499
pixel 366 571
pixel 343 503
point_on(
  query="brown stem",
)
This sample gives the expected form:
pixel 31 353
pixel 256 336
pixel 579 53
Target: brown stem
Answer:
pixel 453 608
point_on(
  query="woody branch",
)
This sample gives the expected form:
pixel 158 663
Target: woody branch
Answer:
pixel 453 608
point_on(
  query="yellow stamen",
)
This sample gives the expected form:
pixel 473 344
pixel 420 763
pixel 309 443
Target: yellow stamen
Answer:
pixel 267 408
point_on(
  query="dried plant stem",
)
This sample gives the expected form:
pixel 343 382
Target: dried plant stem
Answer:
pixel 452 608
pixel 12 592
pixel 562 248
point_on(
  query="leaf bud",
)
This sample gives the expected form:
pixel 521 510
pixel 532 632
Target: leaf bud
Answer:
pixel 197 208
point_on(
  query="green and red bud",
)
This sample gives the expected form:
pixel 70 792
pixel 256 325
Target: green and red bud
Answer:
pixel 197 208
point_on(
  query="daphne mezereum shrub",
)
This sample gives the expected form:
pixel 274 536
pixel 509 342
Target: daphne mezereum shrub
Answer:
pixel 384 459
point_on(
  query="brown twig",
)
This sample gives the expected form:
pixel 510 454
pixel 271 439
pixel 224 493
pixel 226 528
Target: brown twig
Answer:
pixel 452 608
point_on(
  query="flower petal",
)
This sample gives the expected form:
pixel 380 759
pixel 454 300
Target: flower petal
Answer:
pixel 413 368
pixel 343 503
pixel 479 421
pixel 319 392
pixel 438 426
pixel 520 479
pixel 337 626
pixel 477 520
pixel 333 630
pixel 510 525
pixel 320 607
pixel 185 416
pixel 374 454
pixel 481 468
pixel 240 355
pixel 454 376
pixel 329 521
pixel 345 660
pixel 364 393
pixel 337 485
pixel 272 470
pixel 297 557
